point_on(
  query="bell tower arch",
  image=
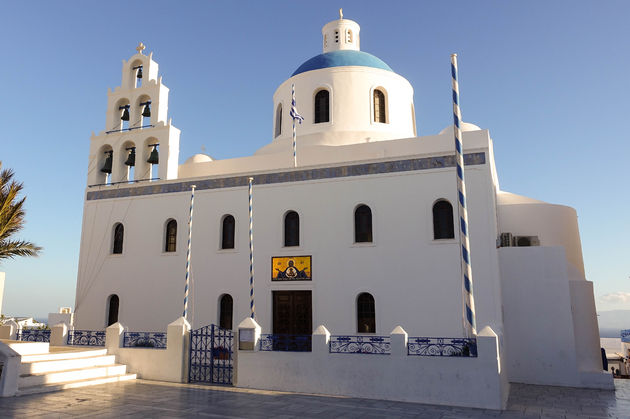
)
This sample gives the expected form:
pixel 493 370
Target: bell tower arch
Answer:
pixel 139 143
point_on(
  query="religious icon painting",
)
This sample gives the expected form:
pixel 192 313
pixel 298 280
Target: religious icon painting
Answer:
pixel 291 268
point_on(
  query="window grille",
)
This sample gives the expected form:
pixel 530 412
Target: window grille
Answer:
pixel 366 314
pixel 322 106
pixel 379 107
pixel 171 236
pixel 225 312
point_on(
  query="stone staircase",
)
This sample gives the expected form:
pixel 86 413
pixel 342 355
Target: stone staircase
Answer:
pixel 45 368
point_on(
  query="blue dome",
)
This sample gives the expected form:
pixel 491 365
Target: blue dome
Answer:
pixel 342 58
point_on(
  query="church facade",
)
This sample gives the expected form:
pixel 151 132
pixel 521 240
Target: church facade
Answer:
pixel 367 241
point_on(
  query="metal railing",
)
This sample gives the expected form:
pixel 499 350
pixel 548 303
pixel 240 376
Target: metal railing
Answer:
pixel 285 343
pixel 374 345
pixel 86 337
pixel 128 129
pixel 33 335
pixel 125 182
pixel 154 340
pixel 423 346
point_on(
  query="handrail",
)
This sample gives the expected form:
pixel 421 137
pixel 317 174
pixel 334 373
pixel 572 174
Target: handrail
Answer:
pixel 125 182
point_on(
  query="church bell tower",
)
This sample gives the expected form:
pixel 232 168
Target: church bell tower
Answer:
pixel 138 144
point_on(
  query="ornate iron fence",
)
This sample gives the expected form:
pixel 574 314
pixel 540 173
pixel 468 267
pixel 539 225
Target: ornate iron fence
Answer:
pixel 33 335
pixel 86 337
pixel 421 346
pixel 211 355
pixel 285 343
pixel 376 345
pixel 154 340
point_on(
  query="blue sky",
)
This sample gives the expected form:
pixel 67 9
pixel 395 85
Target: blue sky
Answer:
pixel 548 79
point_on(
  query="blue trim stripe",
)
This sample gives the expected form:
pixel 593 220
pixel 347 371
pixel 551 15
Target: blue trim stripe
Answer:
pixel 303 175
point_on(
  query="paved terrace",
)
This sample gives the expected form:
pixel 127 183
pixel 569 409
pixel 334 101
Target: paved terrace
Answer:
pixel 149 399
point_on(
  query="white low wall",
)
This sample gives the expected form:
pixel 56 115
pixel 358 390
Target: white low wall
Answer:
pixel 456 381
pixel 551 335
pixel 170 364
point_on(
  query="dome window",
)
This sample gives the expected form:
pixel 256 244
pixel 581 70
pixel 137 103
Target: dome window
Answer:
pixel 322 106
pixel 349 36
pixel 278 129
pixel 380 107
pixel 336 37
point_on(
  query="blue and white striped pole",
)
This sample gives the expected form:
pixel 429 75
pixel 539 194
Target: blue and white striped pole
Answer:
pixel 251 252
pixel 190 220
pixel 294 116
pixel 470 329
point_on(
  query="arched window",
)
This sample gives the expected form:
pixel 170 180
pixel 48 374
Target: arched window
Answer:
pixel 291 229
pixel 366 313
pixel 170 242
pixel 362 224
pixel 225 312
pixel 443 220
pixel 278 120
pixel 322 106
pixel 380 114
pixel 227 232
pixel 119 235
pixel 112 309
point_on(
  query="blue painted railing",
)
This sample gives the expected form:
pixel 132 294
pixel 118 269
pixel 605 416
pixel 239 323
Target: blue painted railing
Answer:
pixel 422 346
pixel 154 340
pixel 287 343
pixel 376 345
pixel 86 337
pixel 33 335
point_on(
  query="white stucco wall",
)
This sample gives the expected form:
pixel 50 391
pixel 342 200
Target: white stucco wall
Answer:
pixel 542 346
pixel 555 225
pixel 404 268
pixel 456 381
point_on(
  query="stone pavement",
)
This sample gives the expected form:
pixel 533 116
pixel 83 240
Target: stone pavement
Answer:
pixel 148 399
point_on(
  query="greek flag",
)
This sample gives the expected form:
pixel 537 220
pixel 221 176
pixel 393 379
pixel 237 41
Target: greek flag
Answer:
pixel 294 113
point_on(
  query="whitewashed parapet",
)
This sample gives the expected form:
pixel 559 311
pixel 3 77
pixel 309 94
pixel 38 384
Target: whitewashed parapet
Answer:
pixel 382 369
pixel 11 361
pixel 59 335
pixel 154 364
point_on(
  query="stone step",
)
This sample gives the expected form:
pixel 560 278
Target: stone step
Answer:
pixel 38 367
pixel 30 380
pixel 74 384
pixel 64 353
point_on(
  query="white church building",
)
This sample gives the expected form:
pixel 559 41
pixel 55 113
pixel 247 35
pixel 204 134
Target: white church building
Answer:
pixel 357 236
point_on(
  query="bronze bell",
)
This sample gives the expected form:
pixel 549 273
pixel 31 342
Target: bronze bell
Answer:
pixel 131 159
pixel 139 74
pixel 107 166
pixel 147 110
pixel 154 157
pixel 125 115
